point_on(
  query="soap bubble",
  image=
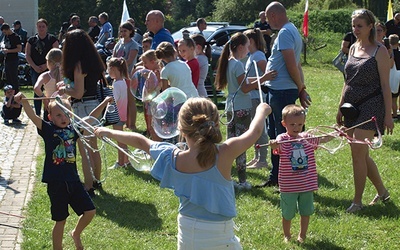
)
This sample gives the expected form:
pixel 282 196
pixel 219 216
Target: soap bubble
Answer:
pixel 164 109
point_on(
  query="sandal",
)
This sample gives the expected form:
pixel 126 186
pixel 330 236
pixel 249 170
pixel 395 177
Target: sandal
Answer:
pixel 384 198
pixel 354 208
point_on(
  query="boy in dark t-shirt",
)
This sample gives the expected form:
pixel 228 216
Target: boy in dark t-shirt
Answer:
pixel 60 172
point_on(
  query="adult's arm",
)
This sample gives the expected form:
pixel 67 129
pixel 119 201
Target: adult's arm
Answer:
pixel 296 73
pixel 78 89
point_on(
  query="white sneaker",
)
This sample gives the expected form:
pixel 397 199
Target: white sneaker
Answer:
pixel 116 165
pixel 258 165
pixel 242 185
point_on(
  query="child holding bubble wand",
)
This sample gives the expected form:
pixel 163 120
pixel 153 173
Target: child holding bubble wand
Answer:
pixel 297 169
pixel 118 71
pixel 231 75
pixel 201 175
pixel 60 172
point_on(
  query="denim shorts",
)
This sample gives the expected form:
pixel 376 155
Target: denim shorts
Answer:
pixel 83 109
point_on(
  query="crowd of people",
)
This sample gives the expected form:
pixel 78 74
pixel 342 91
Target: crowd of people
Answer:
pixel 256 116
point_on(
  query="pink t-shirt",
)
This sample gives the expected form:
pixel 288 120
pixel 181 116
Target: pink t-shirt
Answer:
pixel 297 168
pixel 120 92
pixel 195 68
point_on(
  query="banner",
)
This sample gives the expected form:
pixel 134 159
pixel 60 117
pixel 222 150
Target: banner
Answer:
pixel 389 11
pixel 125 13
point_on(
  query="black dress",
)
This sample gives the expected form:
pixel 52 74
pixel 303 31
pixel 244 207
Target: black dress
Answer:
pixel 362 79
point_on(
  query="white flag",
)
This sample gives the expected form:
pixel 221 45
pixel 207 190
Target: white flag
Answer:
pixel 125 13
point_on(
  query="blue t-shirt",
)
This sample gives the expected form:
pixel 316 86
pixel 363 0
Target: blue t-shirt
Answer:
pixel 106 28
pixel 242 100
pixel 60 148
pixel 163 35
pixel 288 38
pixel 256 56
pixel 123 49
pixel 205 195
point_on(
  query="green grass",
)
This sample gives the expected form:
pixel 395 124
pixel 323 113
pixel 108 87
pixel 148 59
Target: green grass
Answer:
pixel 134 213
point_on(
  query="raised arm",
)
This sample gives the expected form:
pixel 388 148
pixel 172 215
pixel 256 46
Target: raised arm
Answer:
pixel 19 97
pixel 129 138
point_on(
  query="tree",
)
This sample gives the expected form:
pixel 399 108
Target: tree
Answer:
pixel 57 12
pixel 243 11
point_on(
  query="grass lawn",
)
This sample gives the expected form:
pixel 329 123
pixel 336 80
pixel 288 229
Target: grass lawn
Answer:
pixel 134 213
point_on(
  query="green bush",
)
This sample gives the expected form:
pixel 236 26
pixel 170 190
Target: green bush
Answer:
pixel 337 21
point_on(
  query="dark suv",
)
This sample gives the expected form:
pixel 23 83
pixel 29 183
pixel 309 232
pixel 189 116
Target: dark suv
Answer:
pixel 217 34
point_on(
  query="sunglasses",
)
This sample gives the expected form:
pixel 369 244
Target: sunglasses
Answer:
pixel 362 13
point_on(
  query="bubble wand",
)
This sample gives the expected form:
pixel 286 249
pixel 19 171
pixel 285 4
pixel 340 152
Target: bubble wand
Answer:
pixel 260 92
pixel 338 133
pixel 90 129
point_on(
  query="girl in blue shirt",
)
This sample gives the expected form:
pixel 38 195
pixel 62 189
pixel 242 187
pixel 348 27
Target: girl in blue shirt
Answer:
pixel 201 175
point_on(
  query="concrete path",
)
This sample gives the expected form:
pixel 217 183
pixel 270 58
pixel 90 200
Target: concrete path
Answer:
pixel 18 150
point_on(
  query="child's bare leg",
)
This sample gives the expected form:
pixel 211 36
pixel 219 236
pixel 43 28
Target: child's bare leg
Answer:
pixel 286 229
pixel 83 222
pixel 304 221
pixel 58 232
pixel 394 106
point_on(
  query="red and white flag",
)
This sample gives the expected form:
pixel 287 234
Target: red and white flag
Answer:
pixel 305 21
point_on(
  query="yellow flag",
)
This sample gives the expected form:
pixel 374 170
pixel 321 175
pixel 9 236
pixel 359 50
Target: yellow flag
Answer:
pixel 390 11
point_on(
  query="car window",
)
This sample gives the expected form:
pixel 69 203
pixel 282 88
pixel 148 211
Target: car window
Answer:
pixel 221 38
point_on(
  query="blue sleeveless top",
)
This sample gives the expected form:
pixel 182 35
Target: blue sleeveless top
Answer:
pixel 205 195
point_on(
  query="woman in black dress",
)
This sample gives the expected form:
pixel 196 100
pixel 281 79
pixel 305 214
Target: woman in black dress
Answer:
pixel 367 75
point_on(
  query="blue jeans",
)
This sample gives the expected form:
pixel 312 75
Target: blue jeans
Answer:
pixel 278 99
pixel 36 103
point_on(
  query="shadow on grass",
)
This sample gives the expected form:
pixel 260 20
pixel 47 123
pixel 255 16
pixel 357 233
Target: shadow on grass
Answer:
pixel 127 213
pixel 393 144
pixel 329 207
pixel 323 182
pixel 321 244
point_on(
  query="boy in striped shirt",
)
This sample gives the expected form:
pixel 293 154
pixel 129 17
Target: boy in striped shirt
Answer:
pixel 297 176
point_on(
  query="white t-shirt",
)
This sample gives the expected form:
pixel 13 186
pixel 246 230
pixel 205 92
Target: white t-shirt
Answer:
pixel 120 93
pixel 179 75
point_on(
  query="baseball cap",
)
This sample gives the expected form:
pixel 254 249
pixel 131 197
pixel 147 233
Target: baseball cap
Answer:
pixel 8 87
pixel 17 22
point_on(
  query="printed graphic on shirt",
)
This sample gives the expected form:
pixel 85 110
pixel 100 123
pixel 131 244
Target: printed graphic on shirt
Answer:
pixel 64 152
pixel 298 157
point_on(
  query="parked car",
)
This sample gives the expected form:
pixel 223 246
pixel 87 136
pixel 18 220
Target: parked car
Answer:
pixel 217 34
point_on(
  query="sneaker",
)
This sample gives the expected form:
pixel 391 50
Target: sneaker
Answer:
pixel 242 185
pixel 254 160
pixel 354 208
pixel 268 183
pixel 116 165
pixel 384 198
pixel 258 165
pixel 91 193
pixel 97 185
pixel 17 121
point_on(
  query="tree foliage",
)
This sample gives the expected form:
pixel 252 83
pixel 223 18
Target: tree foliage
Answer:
pixel 57 12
